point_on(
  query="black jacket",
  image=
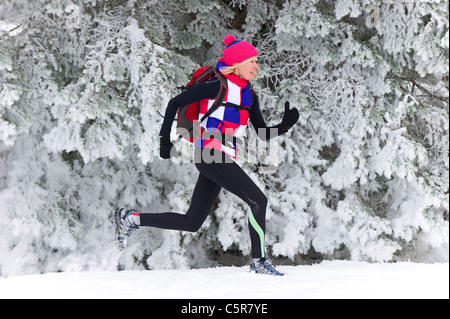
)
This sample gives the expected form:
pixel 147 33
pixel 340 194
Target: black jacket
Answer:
pixel 210 90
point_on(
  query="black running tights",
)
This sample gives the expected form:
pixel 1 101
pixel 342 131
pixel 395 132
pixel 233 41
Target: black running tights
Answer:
pixel 213 177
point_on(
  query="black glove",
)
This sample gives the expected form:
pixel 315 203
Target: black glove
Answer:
pixel 290 117
pixel 167 149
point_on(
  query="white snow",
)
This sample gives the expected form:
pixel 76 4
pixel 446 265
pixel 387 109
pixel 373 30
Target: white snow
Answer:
pixel 10 28
pixel 329 279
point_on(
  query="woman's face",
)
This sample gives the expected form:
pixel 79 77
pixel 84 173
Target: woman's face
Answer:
pixel 248 69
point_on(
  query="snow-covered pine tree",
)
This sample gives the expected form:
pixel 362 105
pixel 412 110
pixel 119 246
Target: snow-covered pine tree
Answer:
pixel 362 83
pixel 363 176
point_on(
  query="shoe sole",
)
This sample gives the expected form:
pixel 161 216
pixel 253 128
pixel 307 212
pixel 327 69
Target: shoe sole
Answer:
pixel 118 217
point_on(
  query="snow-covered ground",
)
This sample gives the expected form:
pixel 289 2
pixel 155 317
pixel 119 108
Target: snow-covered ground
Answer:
pixel 329 279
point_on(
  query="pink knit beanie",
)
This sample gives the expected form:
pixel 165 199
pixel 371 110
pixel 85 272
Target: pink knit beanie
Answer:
pixel 237 51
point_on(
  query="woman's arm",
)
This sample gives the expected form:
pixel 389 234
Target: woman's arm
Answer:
pixel 265 133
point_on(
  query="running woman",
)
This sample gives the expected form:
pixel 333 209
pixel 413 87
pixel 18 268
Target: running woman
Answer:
pixel 215 150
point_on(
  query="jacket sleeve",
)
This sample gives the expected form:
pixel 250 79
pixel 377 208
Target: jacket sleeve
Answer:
pixel 201 91
pixel 264 132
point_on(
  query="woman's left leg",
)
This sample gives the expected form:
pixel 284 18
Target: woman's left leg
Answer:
pixel 202 202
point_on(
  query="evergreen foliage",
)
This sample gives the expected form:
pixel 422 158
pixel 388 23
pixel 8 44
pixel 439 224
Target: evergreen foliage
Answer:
pixel 364 175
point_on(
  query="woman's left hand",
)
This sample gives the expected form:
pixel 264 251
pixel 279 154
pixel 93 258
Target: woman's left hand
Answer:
pixel 290 117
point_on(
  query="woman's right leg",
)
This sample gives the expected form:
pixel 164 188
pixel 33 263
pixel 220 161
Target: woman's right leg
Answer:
pixel 202 202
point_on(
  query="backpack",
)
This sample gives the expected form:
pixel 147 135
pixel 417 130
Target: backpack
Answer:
pixel 188 114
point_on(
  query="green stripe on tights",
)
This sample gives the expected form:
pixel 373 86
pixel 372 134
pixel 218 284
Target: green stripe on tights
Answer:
pixel 259 230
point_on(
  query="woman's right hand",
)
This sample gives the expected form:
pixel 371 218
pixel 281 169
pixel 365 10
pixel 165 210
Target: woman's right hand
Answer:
pixel 167 149
pixel 290 117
